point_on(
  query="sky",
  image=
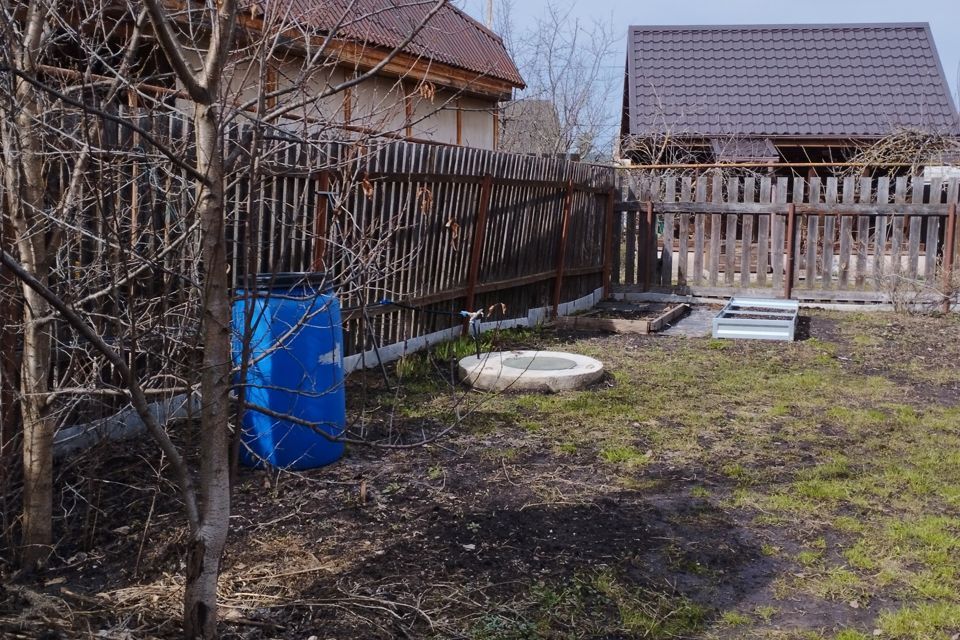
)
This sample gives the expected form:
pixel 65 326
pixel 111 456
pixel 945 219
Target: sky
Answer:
pixel 943 16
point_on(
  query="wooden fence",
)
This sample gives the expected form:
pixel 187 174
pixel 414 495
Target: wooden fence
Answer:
pixel 433 227
pixel 436 228
pixel 851 239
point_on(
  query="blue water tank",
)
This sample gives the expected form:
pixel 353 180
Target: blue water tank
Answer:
pixel 297 353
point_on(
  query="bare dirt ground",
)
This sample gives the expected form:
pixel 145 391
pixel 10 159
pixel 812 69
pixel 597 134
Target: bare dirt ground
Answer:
pixel 703 489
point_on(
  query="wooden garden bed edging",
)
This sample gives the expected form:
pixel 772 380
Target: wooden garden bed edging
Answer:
pixel 618 325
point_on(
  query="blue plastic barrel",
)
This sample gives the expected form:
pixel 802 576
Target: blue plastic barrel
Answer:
pixel 297 353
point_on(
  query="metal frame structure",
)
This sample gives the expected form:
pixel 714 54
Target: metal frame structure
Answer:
pixel 757 319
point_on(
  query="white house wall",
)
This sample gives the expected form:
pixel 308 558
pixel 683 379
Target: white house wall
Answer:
pixel 377 105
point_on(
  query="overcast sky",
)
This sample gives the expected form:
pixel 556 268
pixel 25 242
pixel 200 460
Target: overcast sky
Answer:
pixel 943 16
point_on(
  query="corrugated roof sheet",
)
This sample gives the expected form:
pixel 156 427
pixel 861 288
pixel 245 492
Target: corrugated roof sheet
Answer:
pixel 451 36
pixel 787 80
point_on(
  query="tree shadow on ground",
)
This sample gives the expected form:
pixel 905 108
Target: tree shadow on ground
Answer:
pixel 672 549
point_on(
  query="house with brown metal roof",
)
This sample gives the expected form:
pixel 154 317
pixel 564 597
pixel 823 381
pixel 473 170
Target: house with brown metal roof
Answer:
pixel 760 94
pixel 443 85
pixel 435 74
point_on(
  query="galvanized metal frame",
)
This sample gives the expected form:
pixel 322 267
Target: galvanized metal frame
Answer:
pixel 777 319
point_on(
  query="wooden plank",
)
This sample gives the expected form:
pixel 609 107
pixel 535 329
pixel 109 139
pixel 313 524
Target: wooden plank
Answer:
pixel 813 236
pixel 846 234
pixel 746 242
pixel 644 238
pixel 839 210
pixel 562 250
pixel 897 222
pixel 953 196
pixel 799 193
pixel 650 251
pixel 619 220
pixel 949 256
pixel 913 241
pixel 630 268
pixel 763 233
pixel 829 236
pixel 698 232
pixel 882 196
pixel 669 316
pixel 683 257
pixel 778 232
pixel 862 243
pixel 666 256
pixel 850 296
pixel 490 287
pixel 439 178
pixel 479 236
pixel 715 231
pixel 730 246
pixel 791 254
pixel 447 226
pixel 608 238
pixel 612 325
pixel 619 325
pixel 422 200
pixel 930 251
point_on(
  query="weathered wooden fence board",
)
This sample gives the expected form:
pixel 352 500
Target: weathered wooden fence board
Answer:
pixel 698 233
pixel 863 233
pixel 813 235
pixel 933 233
pixel 733 195
pixel 684 251
pixel 749 196
pixel 799 190
pixel 763 233
pixel 715 231
pixel 846 235
pixel 778 233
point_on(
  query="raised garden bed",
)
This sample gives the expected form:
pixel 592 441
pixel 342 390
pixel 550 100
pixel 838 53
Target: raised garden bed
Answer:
pixel 625 318
pixel 757 319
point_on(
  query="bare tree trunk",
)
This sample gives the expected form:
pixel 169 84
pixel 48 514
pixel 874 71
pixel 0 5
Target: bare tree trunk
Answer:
pixel 38 430
pixel 208 540
pixel 25 186
pixel 11 316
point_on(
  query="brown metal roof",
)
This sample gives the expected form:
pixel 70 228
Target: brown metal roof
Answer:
pixel 829 81
pixel 450 37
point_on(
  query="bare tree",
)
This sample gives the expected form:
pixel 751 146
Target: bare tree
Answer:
pixel 59 126
pixel 29 210
pixel 566 107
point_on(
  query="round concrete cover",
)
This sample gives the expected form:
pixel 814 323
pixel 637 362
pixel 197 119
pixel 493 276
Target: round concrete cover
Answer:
pixel 545 363
pixel 530 371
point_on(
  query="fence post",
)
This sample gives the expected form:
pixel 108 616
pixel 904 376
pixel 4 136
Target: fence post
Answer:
pixel 562 248
pixel 791 257
pixel 608 243
pixel 948 256
pixel 320 224
pixel 476 250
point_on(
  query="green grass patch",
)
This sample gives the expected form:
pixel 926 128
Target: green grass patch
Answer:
pixel 927 621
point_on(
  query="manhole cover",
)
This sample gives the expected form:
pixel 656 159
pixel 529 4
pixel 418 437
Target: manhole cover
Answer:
pixel 541 363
